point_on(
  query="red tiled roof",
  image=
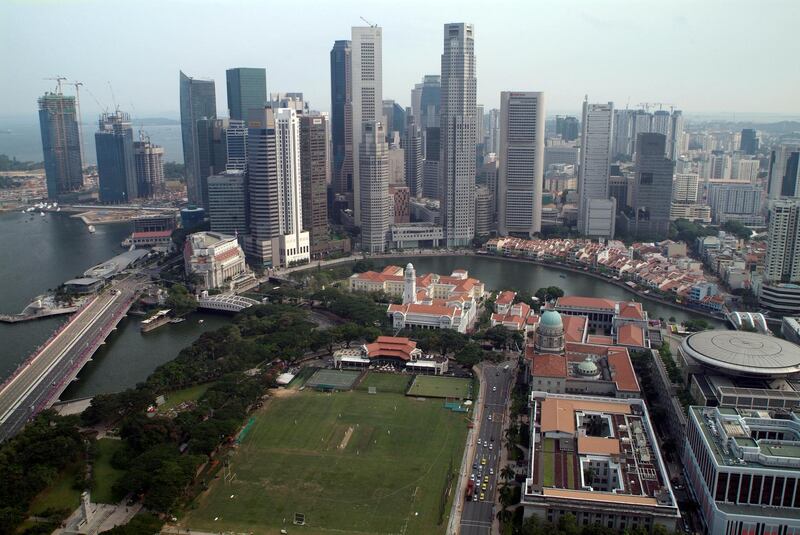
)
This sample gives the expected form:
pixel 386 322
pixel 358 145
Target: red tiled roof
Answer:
pixel 574 328
pixel 548 365
pixel 575 301
pixel 630 335
pixel 434 310
pixel 505 298
pixel 600 340
pixel 391 346
pixel 620 362
pixel 631 310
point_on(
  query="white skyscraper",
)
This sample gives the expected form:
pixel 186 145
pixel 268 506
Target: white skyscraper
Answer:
pixel 521 162
pixel 374 165
pixel 366 86
pixel 458 135
pixel 779 290
pixel 294 241
pixel 596 210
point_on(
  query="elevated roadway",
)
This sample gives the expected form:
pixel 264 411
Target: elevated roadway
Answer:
pixel 39 381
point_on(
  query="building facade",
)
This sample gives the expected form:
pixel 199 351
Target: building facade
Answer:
pixel 247 90
pixel 374 184
pixel 61 143
pixel 519 185
pixel 116 164
pixel 315 176
pixel 457 135
pixel 149 160
pixel 593 204
pixel 340 58
pixel 198 100
pixel 651 186
pixel 227 202
pixel 366 90
pixel 216 258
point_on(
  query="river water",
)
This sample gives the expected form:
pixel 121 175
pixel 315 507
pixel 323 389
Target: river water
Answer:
pixel 38 253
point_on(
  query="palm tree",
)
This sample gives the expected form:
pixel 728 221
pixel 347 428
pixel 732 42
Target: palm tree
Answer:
pixel 507 473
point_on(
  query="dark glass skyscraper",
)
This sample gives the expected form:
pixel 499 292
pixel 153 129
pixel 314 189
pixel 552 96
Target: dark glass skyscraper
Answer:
pixel 340 95
pixel 247 89
pixel 61 143
pixel 749 141
pixel 314 179
pixel 198 101
pixel 116 164
pixel 652 187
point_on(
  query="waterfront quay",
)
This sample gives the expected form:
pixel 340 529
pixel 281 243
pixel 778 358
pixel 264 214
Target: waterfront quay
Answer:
pixel 39 380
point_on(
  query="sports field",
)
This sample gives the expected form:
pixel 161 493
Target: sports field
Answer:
pixel 433 386
pixel 325 379
pixel 396 383
pixel 352 462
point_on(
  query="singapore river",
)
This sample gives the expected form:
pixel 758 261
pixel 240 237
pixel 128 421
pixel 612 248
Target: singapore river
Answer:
pixel 39 253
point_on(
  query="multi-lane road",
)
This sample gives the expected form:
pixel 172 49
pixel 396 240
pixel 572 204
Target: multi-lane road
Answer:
pixel 478 515
pixel 42 378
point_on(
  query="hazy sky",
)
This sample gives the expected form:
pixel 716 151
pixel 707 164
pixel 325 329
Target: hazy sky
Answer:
pixel 702 55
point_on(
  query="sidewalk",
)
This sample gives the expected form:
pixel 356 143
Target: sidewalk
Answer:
pixel 454 525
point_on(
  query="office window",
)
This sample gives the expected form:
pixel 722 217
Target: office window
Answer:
pixel 646 178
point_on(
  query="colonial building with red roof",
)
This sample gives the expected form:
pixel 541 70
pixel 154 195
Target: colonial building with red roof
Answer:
pixel 393 352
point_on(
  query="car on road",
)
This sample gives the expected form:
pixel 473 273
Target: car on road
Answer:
pixel 483 460
pixel 485 479
pixel 483 486
pixel 472 477
pixel 475 465
pixel 475 498
pixel 491 471
pixel 482 496
pixel 490 417
pixel 491 446
pixel 494 389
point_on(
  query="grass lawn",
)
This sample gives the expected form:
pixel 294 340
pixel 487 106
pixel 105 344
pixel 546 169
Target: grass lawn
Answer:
pixel 548 462
pixel 59 495
pixel 104 474
pixel 350 461
pixel 301 377
pixel 395 383
pixel 192 393
pixel 433 386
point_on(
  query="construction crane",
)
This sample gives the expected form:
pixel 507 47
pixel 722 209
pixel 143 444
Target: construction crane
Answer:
pixel 58 79
pixel 646 106
pixel 371 25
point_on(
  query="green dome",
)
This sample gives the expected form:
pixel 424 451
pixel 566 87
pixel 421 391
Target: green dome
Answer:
pixel 551 319
pixel 587 367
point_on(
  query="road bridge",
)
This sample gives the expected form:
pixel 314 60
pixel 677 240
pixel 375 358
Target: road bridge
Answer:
pixel 42 378
pixel 225 302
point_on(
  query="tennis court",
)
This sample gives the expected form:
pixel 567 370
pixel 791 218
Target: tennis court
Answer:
pixel 434 386
pixel 329 380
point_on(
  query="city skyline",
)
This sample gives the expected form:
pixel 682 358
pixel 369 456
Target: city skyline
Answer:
pixel 567 72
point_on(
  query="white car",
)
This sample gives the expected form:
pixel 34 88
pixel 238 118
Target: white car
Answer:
pixel 494 389
pixel 490 446
pixel 472 477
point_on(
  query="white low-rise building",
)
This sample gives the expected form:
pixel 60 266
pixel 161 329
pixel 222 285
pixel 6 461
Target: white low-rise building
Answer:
pixel 216 258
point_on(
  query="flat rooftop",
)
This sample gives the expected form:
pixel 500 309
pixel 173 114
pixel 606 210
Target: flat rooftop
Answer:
pixel 721 425
pixel 743 352
pixel 595 449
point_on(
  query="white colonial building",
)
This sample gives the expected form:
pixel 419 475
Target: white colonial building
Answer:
pixel 217 258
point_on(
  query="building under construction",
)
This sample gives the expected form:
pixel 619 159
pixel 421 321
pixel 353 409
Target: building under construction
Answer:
pixel 61 143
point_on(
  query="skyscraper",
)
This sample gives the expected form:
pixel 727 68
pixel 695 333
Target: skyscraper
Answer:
pixel 622 145
pixel 366 86
pixel 61 143
pixel 149 160
pixel 374 168
pixel 430 166
pixel 116 165
pixel 247 90
pixel 675 144
pixel 236 145
pixel 779 290
pixel 275 223
pixel 227 202
pixel 778 159
pixel 198 101
pixel 212 151
pixel 414 156
pixel 457 161
pixel 749 141
pixel 315 175
pixel 596 210
pixel 652 186
pixel 567 127
pixel 340 116
pixel 521 163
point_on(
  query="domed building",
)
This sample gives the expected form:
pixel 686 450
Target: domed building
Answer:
pixel 549 336
pixel 587 368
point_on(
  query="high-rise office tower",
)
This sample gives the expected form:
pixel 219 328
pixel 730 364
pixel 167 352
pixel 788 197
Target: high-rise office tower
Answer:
pixel 414 156
pixel 236 145
pixel 149 160
pixel 366 86
pixel 642 124
pixel 457 131
pixel 374 168
pixel 675 140
pixel 247 90
pixel 685 189
pixel 790 186
pixel 749 141
pixel 342 146
pixel 394 118
pixel 315 175
pixel 779 290
pixel 652 186
pixel 116 165
pixel 198 101
pixel 622 145
pixel 61 143
pixel 426 98
pixel 430 166
pixel 783 175
pixel 493 131
pixel 719 165
pixel 227 202
pixel 596 210
pixel 661 123
pixel 521 163
pixel 567 127
pixel 212 151
pixel 480 130
pixel 273 166
pixel 484 211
